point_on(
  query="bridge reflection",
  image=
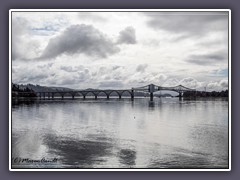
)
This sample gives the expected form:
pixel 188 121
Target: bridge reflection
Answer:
pixel 150 89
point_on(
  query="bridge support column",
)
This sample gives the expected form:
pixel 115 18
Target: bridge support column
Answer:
pixel 120 96
pixel 84 97
pixel 72 96
pixel 151 96
pixel 132 94
pixel 95 96
pixel 52 95
pixel 62 97
pixel 180 95
pixel 107 96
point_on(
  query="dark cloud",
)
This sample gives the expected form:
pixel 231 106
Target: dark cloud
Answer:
pixel 127 36
pixel 83 39
pixel 188 23
pixel 205 59
pixel 141 68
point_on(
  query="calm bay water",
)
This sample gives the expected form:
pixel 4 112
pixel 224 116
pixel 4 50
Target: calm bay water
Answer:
pixel 169 133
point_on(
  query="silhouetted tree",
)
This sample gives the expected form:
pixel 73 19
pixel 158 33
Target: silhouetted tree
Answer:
pixel 25 92
pixel 206 94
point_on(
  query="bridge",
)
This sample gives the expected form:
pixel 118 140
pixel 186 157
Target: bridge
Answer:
pixel 150 89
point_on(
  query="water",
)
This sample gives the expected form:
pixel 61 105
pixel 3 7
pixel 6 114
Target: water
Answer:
pixel 169 133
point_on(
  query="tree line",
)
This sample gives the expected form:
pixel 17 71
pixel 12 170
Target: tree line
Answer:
pixel 206 94
pixel 22 92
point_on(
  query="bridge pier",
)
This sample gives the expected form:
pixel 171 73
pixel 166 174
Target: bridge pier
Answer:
pixel 107 96
pixel 62 97
pixel 95 96
pixel 151 96
pixel 72 96
pixel 120 97
pixel 84 96
pixel 132 97
pixel 132 94
pixel 52 95
pixel 180 94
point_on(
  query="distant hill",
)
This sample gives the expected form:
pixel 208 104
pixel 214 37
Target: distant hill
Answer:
pixel 38 88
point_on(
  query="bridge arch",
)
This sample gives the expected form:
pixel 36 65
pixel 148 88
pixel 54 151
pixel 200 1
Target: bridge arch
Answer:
pixel 87 93
pixel 58 94
pixel 78 94
pixel 70 94
pixel 102 92
pixel 115 91
pixel 124 91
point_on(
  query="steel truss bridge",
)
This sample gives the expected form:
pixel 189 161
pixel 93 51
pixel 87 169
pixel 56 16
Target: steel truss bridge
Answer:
pixel 150 89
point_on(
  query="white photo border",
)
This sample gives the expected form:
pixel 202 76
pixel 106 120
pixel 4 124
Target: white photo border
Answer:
pixel 119 10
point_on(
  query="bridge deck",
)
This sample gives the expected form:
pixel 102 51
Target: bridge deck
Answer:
pixel 151 88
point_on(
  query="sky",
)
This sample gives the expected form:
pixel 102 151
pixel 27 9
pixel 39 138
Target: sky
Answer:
pixel 120 50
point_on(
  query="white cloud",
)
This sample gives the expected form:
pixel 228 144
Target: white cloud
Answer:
pixel 127 36
pixel 224 83
pixel 191 83
pixel 22 46
pixel 80 39
pixel 217 85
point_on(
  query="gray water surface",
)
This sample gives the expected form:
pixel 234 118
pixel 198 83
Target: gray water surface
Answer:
pixel 169 133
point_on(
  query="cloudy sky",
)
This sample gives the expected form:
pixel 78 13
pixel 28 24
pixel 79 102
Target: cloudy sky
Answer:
pixel 120 49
